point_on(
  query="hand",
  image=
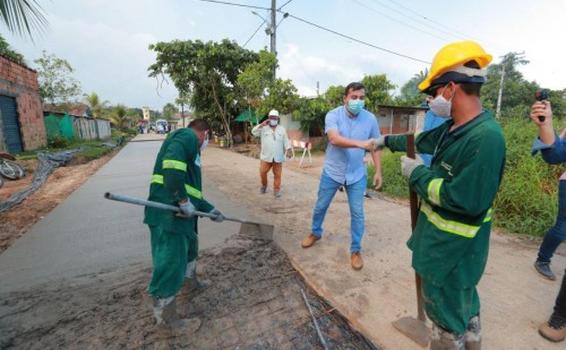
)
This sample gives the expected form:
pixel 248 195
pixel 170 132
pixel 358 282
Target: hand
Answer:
pixel 373 145
pixel 563 134
pixel 219 217
pixel 187 208
pixel 265 122
pixel 377 180
pixel 541 108
pixel 289 153
pixel 408 165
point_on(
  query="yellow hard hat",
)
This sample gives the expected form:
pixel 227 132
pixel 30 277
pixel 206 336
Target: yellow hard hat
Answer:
pixel 454 55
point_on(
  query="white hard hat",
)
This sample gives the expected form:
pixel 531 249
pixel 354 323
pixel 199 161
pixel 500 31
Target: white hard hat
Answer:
pixel 273 113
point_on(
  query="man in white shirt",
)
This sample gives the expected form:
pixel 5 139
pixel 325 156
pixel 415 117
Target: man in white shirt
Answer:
pixel 274 146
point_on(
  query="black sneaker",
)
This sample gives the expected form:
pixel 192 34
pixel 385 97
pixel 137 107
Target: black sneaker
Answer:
pixel 543 268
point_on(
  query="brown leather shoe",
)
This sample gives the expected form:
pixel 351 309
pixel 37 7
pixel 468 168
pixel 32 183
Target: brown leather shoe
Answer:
pixel 357 261
pixel 309 241
pixel 553 330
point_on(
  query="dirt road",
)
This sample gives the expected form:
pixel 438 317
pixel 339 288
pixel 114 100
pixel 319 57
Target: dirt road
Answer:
pixel 514 299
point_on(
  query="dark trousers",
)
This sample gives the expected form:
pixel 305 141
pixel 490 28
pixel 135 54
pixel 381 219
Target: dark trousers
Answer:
pixel 557 233
pixel 560 305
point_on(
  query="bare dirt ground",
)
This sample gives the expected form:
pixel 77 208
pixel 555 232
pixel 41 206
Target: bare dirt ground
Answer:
pixel 60 184
pixel 254 301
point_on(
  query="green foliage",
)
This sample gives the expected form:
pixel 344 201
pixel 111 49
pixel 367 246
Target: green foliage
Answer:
pixel 282 96
pixel 378 91
pixel 7 51
pixel 310 113
pixel 394 184
pixel 58 141
pixel 56 81
pixel 334 95
pixel 209 71
pixel 119 117
pixel 169 111
pixel 410 94
pixel 23 17
pixel 97 106
pixel 256 78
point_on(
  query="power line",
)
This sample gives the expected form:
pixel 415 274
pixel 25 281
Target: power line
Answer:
pixel 356 40
pixel 399 21
pixel 285 4
pixel 429 19
pixel 237 4
pixel 252 36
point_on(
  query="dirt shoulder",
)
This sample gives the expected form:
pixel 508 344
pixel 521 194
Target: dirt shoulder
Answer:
pixel 61 183
pixel 515 300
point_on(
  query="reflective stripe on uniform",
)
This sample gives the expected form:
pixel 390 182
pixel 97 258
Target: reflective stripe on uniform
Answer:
pixel 488 215
pixel 450 226
pixel 191 191
pixel 174 164
pixel 434 190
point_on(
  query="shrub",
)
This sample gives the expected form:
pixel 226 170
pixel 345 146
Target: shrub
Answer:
pixel 58 142
pixel 394 184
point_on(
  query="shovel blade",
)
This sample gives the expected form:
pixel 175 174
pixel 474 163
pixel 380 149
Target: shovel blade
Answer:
pixel 414 329
pixel 257 230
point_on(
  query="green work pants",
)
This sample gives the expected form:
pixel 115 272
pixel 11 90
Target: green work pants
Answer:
pixel 170 253
pixel 450 308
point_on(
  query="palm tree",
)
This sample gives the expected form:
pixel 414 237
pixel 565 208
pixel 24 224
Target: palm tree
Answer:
pixel 96 106
pixel 119 117
pixel 23 17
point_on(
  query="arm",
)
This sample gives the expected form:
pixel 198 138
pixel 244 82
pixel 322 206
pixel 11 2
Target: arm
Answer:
pixel 482 173
pixel 334 137
pixel 378 178
pixel 425 143
pixel 174 168
pixel 256 131
pixel 553 148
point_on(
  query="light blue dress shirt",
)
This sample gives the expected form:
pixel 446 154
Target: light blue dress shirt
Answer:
pixel 346 165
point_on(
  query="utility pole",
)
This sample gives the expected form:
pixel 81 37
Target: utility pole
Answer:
pixel 317 88
pixel 500 94
pixel 273 31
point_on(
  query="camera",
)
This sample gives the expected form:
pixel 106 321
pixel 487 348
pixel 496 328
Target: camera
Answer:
pixel 541 95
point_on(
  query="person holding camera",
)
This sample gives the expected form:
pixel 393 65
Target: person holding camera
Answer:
pixel 553 150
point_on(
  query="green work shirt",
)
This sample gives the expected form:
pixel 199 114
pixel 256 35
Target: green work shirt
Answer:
pixel 176 176
pixel 450 243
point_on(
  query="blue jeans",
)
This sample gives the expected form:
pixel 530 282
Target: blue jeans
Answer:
pixel 557 233
pixel 326 191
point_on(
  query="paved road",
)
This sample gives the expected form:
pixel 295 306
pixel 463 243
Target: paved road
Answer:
pixel 87 233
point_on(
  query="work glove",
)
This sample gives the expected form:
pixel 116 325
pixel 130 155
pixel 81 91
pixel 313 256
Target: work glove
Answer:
pixel 408 165
pixel 187 209
pixel 376 144
pixel 219 217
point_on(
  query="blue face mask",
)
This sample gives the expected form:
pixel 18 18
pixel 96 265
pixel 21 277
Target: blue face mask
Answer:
pixel 355 106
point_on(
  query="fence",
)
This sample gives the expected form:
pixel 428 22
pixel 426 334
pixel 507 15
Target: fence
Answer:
pixel 71 127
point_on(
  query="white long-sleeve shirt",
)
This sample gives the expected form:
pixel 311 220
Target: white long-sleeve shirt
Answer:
pixel 274 142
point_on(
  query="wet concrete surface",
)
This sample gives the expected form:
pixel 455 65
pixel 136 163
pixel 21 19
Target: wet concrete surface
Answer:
pixel 87 233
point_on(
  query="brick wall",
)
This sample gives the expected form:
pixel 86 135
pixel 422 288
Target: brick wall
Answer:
pixel 20 82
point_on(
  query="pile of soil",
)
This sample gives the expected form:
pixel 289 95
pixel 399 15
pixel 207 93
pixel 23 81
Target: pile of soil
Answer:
pixel 253 301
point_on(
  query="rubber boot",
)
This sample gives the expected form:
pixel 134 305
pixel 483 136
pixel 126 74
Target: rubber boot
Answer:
pixel 194 285
pixel 443 340
pixel 168 323
pixel 472 338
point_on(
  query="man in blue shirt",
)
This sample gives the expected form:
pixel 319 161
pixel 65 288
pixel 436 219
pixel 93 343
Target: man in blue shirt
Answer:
pixel 351 131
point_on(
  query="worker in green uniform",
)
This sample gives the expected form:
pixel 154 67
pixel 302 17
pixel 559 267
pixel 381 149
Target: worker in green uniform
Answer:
pixel 451 240
pixel 176 180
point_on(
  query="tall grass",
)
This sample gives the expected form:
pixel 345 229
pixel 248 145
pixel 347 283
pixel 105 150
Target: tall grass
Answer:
pixel 527 199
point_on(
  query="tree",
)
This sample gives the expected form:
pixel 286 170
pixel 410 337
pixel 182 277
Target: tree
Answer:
pixel 209 71
pixel 119 117
pixel 281 95
pixel 310 113
pixel 7 51
pixel 56 81
pixel 97 106
pixel 378 91
pixel 334 95
pixel 169 111
pixel 23 17
pixel 183 100
pixel 410 94
pixel 256 78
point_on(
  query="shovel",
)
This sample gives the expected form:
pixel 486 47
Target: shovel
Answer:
pixel 414 328
pixel 248 228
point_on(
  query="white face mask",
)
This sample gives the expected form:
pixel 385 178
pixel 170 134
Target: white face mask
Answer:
pixel 273 122
pixel 441 106
pixel 204 144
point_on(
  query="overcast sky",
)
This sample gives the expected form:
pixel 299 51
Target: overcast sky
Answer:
pixel 106 41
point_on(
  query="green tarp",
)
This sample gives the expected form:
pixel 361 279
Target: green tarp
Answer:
pixel 248 116
pixel 59 126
